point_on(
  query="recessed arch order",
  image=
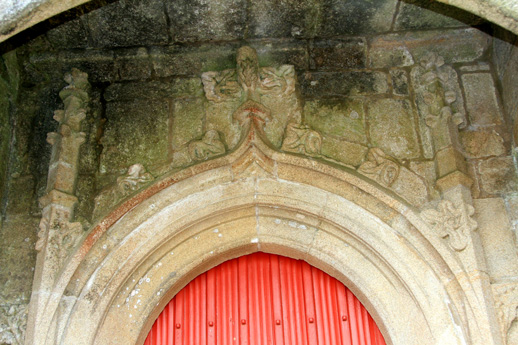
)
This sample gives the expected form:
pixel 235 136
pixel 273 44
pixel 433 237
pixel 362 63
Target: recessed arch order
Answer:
pixel 257 199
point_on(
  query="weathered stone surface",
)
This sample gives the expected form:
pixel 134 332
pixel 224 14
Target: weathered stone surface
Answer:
pixel 280 19
pixel 98 64
pixel 341 118
pixel 399 82
pixel 455 45
pixel 497 175
pixel 423 14
pixel 329 55
pixel 135 132
pixel 133 64
pixel 278 52
pixel 357 17
pixel 343 151
pixel 187 122
pixel 17 258
pixel 176 88
pixel 389 51
pixel 215 20
pixel 70 35
pixel 411 187
pixel 332 84
pixel 21 195
pixel 192 60
pixel 129 23
pixel 481 99
pixel 482 143
pixel 392 127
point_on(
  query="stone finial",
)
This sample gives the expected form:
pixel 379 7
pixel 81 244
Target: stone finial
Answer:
pixel 454 222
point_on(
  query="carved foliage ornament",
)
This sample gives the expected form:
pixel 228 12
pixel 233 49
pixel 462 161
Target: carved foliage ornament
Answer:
pixel 302 139
pixel 452 221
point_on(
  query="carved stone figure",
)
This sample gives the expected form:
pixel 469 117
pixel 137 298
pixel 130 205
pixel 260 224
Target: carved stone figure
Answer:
pixel 452 221
pixel 250 91
pixel 302 139
pixel 210 145
pixel 133 180
pixel 380 167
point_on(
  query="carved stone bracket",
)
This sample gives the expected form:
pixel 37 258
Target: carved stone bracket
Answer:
pixel 134 179
pixel 506 303
pixel 454 222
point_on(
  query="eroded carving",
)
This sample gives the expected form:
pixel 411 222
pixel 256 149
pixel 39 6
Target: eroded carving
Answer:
pixel 210 145
pixel 13 322
pixel 434 78
pixel 134 179
pixel 506 303
pixel 302 139
pixel 452 221
pixel 380 167
pixel 263 94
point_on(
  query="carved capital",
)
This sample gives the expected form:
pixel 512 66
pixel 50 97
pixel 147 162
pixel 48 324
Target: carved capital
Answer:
pixel 454 222
pixel 506 304
pixel 380 167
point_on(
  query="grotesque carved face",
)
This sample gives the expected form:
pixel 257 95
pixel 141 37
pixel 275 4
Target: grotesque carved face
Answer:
pixel 247 67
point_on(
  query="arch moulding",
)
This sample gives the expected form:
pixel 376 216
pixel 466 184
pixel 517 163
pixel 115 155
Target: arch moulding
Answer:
pixel 256 198
pixel 15 18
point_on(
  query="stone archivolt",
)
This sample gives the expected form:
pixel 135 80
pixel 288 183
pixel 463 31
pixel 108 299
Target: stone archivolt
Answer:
pixel 256 113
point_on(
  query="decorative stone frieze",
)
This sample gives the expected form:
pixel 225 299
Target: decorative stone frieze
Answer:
pixel 380 167
pixel 134 179
pixel 454 222
pixel 506 303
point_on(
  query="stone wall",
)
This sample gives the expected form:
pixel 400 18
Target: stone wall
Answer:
pixel 361 69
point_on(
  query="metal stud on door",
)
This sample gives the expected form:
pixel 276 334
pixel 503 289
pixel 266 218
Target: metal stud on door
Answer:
pixel 264 299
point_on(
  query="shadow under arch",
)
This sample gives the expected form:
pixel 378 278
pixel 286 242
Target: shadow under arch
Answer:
pixel 258 199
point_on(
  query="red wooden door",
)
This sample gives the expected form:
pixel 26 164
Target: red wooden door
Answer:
pixel 264 299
